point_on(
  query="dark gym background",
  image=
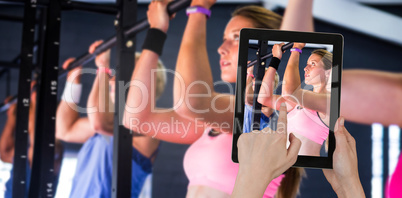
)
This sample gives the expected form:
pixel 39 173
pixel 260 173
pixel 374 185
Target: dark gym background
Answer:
pixel 80 29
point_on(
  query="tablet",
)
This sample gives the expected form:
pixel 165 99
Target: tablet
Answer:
pixel 308 79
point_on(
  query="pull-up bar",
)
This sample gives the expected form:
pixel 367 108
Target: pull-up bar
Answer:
pixel 143 24
pixel 284 47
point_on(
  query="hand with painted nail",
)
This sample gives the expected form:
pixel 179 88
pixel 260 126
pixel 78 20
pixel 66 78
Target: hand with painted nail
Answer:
pixel 102 59
pixel 263 156
pixel 344 177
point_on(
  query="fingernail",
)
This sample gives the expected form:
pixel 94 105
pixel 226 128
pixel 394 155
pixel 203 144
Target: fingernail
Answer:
pixel 342 121
pixel 336 126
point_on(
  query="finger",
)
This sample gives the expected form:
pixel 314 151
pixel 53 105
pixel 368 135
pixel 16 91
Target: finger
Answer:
pixel 94 45
pixel 281 44
pixel 172 16
pixel 7 99
pixel 67 63
pixel 340 137
pixel 294 148
pixel 282 119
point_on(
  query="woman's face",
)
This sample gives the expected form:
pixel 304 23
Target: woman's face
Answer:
pixel 230 47
pixel 314 72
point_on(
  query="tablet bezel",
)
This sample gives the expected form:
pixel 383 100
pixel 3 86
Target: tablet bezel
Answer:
pixel 336 40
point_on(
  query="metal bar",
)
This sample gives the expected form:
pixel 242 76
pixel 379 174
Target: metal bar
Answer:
pixel 259 75
pixel 111 41
pixel 91 7
pixel 122 142
pixel 4 17
pixel 21 132
pixel 284 47
pixel 128 32
pixel 43 178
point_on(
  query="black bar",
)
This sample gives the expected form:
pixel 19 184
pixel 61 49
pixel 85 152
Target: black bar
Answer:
pixel 43 178
pixel 284 47
pixel 92 7
pixel 110 42
pixel 4 17
pixel 259 71
pixel 122 141
pixel 129 32
pixel 23 102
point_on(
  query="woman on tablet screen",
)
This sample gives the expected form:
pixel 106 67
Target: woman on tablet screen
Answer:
pixel 308 110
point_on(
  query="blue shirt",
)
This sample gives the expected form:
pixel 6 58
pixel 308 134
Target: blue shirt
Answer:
pixel 93 176
pixel 9 184
pixel 264 121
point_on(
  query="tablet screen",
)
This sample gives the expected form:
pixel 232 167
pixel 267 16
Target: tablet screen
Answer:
pixel 295 68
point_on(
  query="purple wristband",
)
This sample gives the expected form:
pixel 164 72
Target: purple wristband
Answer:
pixel 198 9
pixel 296 49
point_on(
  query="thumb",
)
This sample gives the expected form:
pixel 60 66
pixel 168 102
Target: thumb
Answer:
pixel 294 148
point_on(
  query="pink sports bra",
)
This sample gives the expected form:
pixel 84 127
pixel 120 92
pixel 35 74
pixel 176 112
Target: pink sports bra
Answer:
pixel 307 123
pixel 395 184
pixel 207 162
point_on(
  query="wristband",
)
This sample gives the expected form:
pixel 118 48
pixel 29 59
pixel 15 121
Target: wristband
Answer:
pixel 154 40
pixel 72 93
pixel 198 9
pixel 275 63
pixel 104 70
pixel 296 49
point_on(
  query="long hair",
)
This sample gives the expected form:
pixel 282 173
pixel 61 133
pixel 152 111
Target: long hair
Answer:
pixel 263 18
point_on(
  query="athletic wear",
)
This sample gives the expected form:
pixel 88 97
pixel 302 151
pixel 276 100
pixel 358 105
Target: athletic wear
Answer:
pixel 395 184
pixel 307 123
pixel 9 184
pixel 93 176
pixel 208 162
pixel 264 121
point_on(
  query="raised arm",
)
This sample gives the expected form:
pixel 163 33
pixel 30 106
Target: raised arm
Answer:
pixel 7 136
pixel 292 90
pixel 298 16
pixel 370 96
pixel 140 106
pixel 70 127
pixel 266 95
pixel 194 93
pixel 100 108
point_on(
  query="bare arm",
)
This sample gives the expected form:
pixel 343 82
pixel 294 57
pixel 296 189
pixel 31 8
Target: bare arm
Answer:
pixel 140 106
pixel 7 136
pixel 266 95
pixel 370 96
pixel 100 108
pixel 193 87
pixel 69 126
pixel 298 16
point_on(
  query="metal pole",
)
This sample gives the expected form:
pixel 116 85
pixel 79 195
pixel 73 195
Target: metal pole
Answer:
pixel 259 71
pixel 42 178
pixel 24 84
pixel 122 141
